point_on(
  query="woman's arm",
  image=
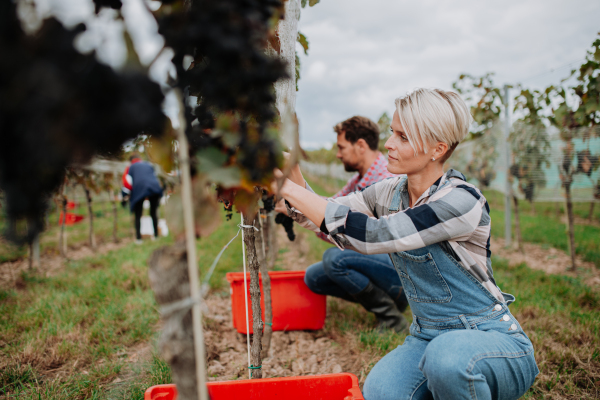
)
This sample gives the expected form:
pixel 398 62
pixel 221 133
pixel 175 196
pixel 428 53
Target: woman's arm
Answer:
pixel 309 203
pixel 455 216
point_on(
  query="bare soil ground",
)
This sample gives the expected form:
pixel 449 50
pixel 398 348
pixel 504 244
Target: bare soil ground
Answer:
pixel 291 353
pixel 548 259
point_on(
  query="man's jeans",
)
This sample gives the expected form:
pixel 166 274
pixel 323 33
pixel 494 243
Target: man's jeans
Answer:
pixel 346 273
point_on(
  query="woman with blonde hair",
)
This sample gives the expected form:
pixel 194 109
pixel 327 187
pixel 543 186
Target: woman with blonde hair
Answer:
pixel 464 342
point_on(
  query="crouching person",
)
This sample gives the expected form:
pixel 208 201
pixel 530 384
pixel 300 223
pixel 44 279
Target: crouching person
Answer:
pixel 464 342
pixel 370 280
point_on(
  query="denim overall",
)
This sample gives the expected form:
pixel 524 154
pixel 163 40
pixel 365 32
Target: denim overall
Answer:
pixel 463 343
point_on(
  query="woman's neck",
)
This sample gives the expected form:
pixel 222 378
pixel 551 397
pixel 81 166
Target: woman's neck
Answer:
pixel 418 183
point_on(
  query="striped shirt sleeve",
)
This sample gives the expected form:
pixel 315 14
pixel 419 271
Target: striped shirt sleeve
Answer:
pixel 453 215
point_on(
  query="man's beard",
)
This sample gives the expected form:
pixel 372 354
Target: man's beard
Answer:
pixel 351 167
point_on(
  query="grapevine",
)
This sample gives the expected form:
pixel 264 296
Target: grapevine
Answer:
pixel 59 107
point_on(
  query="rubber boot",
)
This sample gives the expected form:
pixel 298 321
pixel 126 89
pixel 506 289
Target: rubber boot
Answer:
pixel 401 301
pixel 375 300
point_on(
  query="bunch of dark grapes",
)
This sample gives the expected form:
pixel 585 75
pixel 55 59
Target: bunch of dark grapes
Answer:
pixel 288 225
pixel 268 201
pixel 58 107
pixel 114 4
pixel 231 73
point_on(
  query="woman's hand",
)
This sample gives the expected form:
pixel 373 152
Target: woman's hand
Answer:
pixel 295 174
pixel 305 201
pixel 275 184
pixel 280 207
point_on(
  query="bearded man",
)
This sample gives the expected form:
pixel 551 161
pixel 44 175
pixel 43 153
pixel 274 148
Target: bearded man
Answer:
pixel 370 280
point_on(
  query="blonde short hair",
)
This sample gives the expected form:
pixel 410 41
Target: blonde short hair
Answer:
pixel 433 115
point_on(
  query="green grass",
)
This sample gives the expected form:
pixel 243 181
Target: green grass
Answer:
pixel 153 372
pixel 324 186
pixel 89 312
pixel 561 315
pixel 546 228
pixel 209 247
pixel 544 208
pixel 99 307
pixel 76 234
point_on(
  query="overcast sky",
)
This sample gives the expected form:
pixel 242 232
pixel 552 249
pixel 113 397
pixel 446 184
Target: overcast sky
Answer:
pixel 363 54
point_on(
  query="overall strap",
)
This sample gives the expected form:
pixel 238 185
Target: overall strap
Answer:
pixel 396 199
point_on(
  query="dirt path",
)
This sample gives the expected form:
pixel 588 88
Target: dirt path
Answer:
pixel 10 272
pixel 291 353
pixel 548 259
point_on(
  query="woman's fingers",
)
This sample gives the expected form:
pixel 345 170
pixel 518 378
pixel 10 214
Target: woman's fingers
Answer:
pixel 280 207
pixel 275 184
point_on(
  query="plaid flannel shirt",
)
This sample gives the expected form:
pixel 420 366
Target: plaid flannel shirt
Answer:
pixel 451 212
pixel 376 172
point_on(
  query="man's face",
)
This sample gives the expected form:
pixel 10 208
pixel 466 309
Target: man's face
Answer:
pixel 347 153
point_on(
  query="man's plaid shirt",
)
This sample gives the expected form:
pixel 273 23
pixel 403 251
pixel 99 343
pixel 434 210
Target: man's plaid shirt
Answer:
pixel 451 212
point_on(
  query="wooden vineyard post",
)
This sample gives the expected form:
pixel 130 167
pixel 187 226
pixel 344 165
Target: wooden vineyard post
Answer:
pixel 88 197
pixel 190 239
pixel 262 237
pixel 257 324
pixel 174 280
pixel 170 281
pixel 62 239
pixel 517 224
pixel 570 232
pixel 113 200
pixel 272 248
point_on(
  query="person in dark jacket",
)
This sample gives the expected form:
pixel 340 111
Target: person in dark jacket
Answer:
pixel 140 183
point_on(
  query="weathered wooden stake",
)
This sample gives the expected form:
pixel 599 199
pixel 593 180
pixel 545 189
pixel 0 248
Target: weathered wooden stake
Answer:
pixel 266 284
pixel 570 232
pixel 517 225
pixel 170 282
pixel 190 239
pixel 257 323
pixel 62 238
pixel 113 200
pixel 88 197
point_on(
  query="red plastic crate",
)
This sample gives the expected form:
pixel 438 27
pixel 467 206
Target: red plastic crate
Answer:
pixel 295 306
pixel 71 218
pixel 317 387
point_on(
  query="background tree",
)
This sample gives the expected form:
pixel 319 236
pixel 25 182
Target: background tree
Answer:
pixel 576 113
pixel 59 107
pixel 384 130
pixel 530 149
pixel 486 105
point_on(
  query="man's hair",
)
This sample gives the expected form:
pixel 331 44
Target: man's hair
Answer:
pixel 359 127
pixel 433 115
pixel 133 156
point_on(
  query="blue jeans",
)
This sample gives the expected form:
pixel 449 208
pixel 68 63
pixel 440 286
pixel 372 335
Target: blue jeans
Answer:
pixel 346 273
pixel 464 343
pixel 458 364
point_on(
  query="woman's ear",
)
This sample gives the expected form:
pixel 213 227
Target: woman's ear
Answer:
pixel 440 150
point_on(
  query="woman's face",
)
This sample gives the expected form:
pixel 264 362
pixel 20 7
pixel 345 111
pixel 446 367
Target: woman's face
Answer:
pixel 401 155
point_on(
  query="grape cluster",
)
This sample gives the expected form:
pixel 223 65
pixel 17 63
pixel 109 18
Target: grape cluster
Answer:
pixel 231 73
pixel 288 225
pixel 114 4
pixel 58 107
